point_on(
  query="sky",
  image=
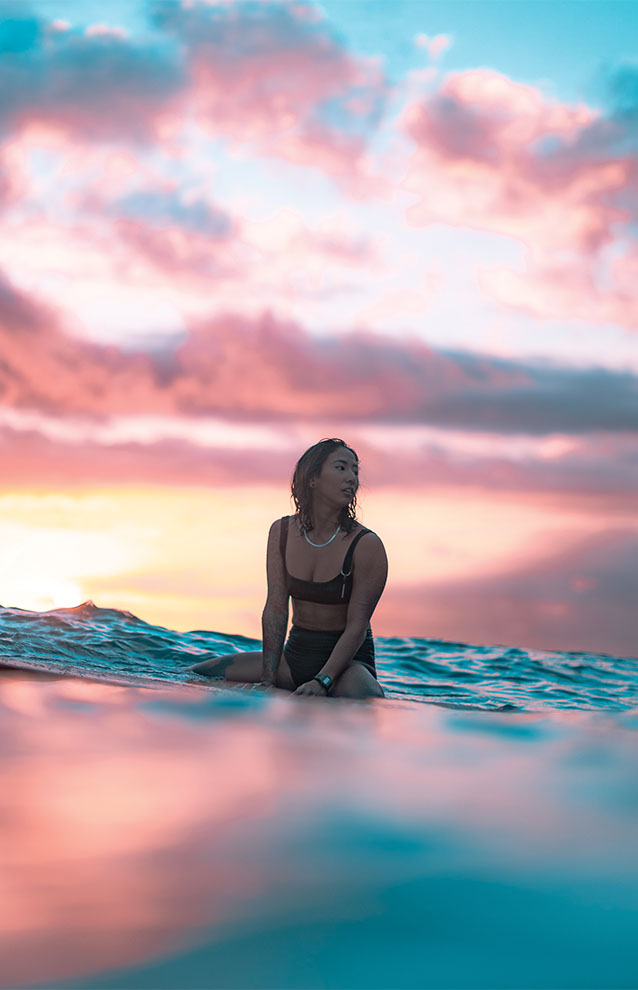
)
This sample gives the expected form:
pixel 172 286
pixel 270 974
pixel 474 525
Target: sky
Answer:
pixel 228 230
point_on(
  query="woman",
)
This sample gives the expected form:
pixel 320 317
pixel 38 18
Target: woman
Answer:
pixel 335 570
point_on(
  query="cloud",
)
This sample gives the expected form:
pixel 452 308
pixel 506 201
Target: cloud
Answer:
pixel 155 208
pixel 571 290
pixel 579 597
pixel 501 156
pixel 197 240
pixel 264 71
pixel 597 473
pixel 274 76
pixel 434 46
pixel 98 86
pixel 267 368
pixel 19 314
pixel 516 157
pixel 596 468
pixel 30 458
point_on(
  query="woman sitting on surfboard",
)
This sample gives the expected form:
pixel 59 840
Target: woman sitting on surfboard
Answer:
pixel 335 570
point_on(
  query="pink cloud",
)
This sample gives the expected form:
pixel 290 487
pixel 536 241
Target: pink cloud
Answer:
pixel 577 597
pixel 20 314
pixel 29 458
pixel 96 85
pixel 602 470
pixel 14 182
pixel 571 289
pixel 271 369
pixel 267 75
pixel 275 78
pixel 501 156
pixel 198 240
pixel 434 46
pixel 93 30
pixel 176 252
pixel 595 474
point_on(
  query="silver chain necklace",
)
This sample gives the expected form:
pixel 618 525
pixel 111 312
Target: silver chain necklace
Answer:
pixel 327 541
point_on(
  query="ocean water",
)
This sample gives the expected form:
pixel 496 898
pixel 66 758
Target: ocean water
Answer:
pixel 476 828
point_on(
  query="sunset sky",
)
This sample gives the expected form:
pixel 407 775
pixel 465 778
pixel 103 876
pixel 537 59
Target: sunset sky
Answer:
pixel 231 229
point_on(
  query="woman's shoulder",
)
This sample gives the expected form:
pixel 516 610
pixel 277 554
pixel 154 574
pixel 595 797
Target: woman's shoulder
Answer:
pixel 370 552
pixel 283 521
pixel 275 527
pixel 360 528
pixel 368 541
pixel 362 535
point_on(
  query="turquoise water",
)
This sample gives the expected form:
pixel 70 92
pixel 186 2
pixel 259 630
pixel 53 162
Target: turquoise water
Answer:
pixel 107 643
pixel 475 828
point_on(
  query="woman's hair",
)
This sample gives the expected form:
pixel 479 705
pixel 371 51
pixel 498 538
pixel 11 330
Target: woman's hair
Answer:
pixel 308 467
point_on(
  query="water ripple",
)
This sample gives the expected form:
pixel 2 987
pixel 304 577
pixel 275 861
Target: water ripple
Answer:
pixel 89 641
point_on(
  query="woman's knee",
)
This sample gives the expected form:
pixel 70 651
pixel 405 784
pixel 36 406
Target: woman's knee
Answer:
pixel 232 666
pixel 215 667
pixel 357 682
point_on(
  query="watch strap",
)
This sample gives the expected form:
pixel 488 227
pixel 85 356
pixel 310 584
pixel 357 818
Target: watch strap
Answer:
pixel 325 680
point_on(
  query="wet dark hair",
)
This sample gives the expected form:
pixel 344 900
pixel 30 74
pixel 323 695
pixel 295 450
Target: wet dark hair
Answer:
pixel 308 467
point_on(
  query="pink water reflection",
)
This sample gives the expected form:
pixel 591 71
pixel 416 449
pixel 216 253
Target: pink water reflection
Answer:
pixel 115 826
pixel 136 823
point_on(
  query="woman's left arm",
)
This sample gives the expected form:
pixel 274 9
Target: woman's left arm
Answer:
pixel 368 582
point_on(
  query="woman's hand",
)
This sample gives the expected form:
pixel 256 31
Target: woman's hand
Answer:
pixel 311 688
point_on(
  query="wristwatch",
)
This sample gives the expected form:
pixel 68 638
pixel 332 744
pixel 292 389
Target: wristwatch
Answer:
pixel 325 680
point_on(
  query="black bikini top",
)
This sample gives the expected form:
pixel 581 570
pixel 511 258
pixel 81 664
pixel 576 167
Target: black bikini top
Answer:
pixel 334 592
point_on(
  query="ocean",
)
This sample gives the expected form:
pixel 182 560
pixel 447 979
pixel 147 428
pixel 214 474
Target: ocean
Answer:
pixel 475 828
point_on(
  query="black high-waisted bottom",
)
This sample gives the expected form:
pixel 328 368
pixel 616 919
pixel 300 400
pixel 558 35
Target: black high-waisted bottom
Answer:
pixel 307 650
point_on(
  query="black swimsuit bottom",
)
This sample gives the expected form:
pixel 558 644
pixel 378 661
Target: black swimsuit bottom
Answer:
pixel 307 650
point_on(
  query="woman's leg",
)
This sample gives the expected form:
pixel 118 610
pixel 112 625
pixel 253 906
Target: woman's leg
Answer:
pixel 243 667
pixel 357 682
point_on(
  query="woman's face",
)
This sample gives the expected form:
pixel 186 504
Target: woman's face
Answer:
pixel 339 478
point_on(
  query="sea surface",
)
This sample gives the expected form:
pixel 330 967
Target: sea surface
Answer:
pixel 476 828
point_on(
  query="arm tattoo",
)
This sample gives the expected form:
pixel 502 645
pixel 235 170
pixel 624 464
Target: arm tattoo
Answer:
pixel 273 626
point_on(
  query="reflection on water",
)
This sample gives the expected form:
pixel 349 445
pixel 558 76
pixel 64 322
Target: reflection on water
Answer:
pixel 188 837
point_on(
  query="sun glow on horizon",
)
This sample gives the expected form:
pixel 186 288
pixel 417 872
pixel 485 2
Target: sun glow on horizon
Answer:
pixel 45 592
pixel 195 559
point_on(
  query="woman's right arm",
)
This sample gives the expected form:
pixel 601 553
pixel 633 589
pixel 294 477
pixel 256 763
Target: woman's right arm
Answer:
pixel 274 619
